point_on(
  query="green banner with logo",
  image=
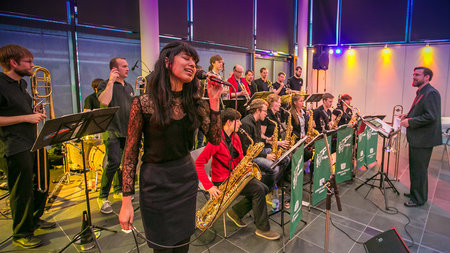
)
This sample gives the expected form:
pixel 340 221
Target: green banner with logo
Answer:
pixel 371 145
pixel 361 149
pixel 344 148
pixel 296 189
pixel 321 170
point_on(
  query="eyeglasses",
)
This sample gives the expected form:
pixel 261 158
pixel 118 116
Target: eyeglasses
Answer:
pixel 29 61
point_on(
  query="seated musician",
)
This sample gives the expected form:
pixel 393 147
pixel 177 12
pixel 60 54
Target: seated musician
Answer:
pixel 249 76
pixel 239 83
pixel 223 162
pixel 343 109
pixel 322 115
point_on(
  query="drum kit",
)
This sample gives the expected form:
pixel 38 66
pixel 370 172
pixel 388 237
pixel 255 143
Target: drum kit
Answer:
pixel 94 155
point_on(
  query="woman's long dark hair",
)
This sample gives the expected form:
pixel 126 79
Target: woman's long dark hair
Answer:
pixel 294 99
pixel 160 88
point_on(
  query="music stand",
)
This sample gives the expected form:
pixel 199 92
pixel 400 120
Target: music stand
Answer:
pixel 259 94
pixel 282 211
pixel 385 133
pixel 314 98
pixel 74 127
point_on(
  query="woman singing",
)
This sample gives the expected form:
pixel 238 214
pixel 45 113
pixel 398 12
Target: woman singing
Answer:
pixel 168 117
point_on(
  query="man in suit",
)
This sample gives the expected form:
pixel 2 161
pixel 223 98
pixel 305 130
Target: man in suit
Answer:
pixel 423 132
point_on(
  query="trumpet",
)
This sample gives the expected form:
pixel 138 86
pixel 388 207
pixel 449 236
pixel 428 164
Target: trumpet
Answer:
pixel 141 85
pixel 246 95
pixel 41 87
pixel 397 111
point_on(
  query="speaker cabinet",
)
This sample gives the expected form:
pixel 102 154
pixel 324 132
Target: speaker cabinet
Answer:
pixel 386 242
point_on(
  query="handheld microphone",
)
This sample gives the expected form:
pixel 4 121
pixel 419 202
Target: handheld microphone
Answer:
pixel 201 74
pixel 135 66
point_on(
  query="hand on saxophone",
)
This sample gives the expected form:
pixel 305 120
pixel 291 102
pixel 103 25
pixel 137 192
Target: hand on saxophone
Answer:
pixel 214 192
pixel 271 157
pixel 284 144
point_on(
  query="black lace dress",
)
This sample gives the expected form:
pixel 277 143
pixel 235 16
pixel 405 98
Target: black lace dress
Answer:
pixel 168 179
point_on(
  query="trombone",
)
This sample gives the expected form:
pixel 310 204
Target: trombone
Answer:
pixel 141 85
pixel 397 111
pixel 41 87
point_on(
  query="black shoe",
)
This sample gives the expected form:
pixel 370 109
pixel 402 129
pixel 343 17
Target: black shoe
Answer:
pixel 412 203
pixel 409 195
pixel 28 242
pixel 45 224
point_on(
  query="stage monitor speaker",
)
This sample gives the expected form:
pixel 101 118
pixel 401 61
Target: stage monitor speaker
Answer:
pixel 389 241
pixel 320 58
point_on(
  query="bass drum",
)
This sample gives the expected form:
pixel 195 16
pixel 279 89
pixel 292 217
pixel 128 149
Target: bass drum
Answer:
pixel 97 158
pixel 74 157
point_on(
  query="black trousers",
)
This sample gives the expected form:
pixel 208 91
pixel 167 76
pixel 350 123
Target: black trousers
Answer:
pixel 181 249
pixel 419 159
pixel 254 198
pixel 114 150
pixel 27 203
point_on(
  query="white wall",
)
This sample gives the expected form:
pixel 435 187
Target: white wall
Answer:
pixel 378 81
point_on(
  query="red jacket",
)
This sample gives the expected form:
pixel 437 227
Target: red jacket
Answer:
pixel 233 81
pixel 218 153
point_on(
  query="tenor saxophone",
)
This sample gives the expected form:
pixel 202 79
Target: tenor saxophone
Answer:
pixel 230 189
pixel 312 132
pixel 289 137
pixel 274 138
pixel 337 119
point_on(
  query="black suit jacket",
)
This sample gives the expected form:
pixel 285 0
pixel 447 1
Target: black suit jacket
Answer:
pixel 425 129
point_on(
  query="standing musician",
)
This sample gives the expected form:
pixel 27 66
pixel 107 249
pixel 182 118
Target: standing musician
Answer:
pixel 91 102
pixel 239 83
pixel 18 121
pixel 322 115
pixel 168 115
pixel 300 120
pixel 114 92
pixel 251 123
pixel 249 76
pixel 295 82
pixel 216 65
pixel 254 192
pixel 263 83
pixel 279 86
pixel 343 109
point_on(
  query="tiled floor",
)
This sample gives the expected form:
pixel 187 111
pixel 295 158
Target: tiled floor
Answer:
pixel 429 225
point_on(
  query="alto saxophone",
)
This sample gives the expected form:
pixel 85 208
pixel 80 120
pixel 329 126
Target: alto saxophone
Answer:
pixel 337 119
pixel 274 138
pixel 289 137
pixel 312 132
pixel 230 189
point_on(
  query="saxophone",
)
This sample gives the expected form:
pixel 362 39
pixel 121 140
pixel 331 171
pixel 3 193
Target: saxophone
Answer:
pixel 337 119
pixel 289 137
pixel 230 189
pixel 312 132
pixel 274 138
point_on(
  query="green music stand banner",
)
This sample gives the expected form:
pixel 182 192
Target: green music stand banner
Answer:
pixel 371 145
pixel 361 148
pixel 321 170
pixel 296 189
pixel 344 148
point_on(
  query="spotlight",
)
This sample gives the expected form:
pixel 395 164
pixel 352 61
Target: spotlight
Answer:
pixel 351 51
pixel 427 49
pixel 386 50
pixel 313 50
pixel 331 51
pixel 338 51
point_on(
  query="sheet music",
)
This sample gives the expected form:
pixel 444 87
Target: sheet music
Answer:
pixel 383 127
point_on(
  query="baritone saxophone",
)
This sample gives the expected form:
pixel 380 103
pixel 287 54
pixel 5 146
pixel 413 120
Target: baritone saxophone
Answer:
pixel 230 189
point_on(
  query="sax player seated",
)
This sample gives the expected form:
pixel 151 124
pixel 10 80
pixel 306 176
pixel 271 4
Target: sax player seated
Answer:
pixel 254 192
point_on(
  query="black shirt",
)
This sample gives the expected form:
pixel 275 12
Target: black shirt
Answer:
pixel 295 83
pixel 14 101
pixel 122 97
pixel 279 118
pixel 253 88
pixel 321 118
pixel 276 86
pixel 261 85
pixel 91 102
pixel 346 117
pixel 253 129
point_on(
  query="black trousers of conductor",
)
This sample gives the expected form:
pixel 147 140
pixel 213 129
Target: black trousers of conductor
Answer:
pixel 27 203
pixel 254 198
pixel 419 159
pixel 114 149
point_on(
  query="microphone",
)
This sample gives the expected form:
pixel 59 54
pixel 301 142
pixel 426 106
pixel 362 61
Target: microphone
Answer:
pixel 135 66
pixel 201 74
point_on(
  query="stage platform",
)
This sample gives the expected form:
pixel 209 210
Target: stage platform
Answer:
pixel 360 219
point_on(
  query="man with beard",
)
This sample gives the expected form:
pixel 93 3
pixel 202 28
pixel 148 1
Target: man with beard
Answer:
pixel 114 92
pixel 18 121
pixel 423 132
pixel 295 83
pixel 263 83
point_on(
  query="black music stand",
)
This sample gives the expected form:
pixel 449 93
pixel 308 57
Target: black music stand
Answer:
pixel 385 134
pixel 282 187
pixel 259 94
pixel 314 98
pixel 74 127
